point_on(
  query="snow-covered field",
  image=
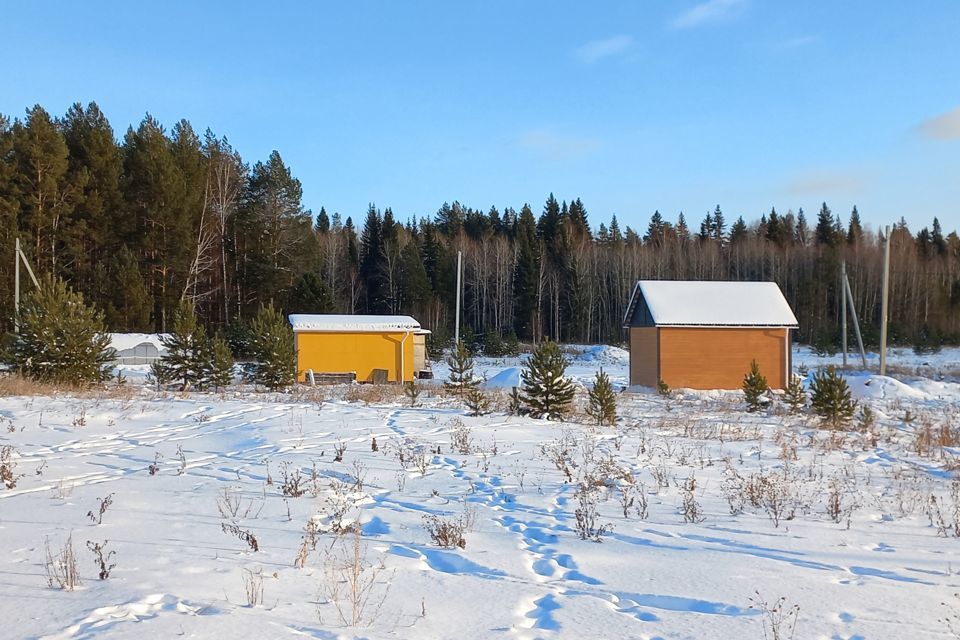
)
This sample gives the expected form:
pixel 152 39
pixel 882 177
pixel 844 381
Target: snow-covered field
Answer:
pixel 856 544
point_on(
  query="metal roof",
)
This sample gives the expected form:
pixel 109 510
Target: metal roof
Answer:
pixel 698 303
pixel 353 323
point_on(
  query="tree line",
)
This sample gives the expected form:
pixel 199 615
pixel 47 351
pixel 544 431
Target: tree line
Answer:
pixel 140 224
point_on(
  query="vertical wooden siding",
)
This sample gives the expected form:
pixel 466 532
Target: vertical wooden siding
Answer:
pixel 718 358
pixel 643 356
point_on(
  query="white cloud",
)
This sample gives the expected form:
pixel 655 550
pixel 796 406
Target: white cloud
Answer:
pixel 945 126
pixel 557 147
pixel 706 12
pixel 599 49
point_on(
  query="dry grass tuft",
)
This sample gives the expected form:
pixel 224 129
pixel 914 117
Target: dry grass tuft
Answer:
pixel 16 385
pixel 373 393
pixel 61 566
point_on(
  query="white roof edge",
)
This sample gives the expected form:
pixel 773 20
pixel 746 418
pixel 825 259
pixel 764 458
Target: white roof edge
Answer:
pixel 352 323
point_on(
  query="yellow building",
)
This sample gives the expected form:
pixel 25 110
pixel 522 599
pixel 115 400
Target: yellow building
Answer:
pixel 371 348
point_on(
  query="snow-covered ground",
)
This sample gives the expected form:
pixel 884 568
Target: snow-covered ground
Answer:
pixel 855 544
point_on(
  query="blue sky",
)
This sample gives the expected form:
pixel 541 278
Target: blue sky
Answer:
pixel 631 106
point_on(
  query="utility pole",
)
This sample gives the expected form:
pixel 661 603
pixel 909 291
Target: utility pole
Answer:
pixel 856 322
pixel 456 323
pixel 885 302
pixel 19 256
pixel 16 286
pixel 843 311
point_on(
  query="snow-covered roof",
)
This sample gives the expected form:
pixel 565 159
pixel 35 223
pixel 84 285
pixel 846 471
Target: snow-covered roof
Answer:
pixel 346 322
pixel 123 341
pixel 686 303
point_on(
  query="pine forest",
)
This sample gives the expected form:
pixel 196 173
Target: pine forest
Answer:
pixel 161 216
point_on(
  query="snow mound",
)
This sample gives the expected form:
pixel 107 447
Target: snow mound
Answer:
pixel 506 379
pixel 884 387
pixel 600 354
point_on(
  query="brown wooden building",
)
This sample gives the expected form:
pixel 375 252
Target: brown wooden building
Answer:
pixel 703 335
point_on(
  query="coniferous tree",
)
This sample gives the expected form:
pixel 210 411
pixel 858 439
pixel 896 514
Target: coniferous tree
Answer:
pixel 271 345
pixel 476 400
pixel 276 231
pixel 683 231
pixel 220 373
pixel 546 392
pixel 461 377
pixel 61 338
pixel 150 181
pixel 310 294
pixel 9 208
pixel 159 374
pixel 414 285
pixel 755 388
pixel 578 217
pixel 187 356
pixel 127 299
pixel 371 256
pixel 795 395
pixel 937 237
pixel 738 232
pixel 826 232
pixel 656 230
pixel 97 224
pixel 831 399
pixel 615 235
pixel 46 198
pixel 602 402
pixel 719 225
pixel 854 229
pixel 526 274
pixel 801 234
pixel 322 224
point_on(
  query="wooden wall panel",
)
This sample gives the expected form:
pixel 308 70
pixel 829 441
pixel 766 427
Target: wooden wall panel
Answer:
pixel 643 356
pixel 718 358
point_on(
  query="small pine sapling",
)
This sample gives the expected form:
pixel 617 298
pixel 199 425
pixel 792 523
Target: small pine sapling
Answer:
pixel 476 400
pixel 461 371
pixel 546 391
pixel 61 337
pixel 795 395
pixel 831 399
pixel 186 356
pixel 755 388
pixel 160 374
pixel 272 348
pixel 220 374
pixel 602 401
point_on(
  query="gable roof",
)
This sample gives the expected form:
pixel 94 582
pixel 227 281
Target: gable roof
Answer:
pixel 352 323
pixel 694 303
